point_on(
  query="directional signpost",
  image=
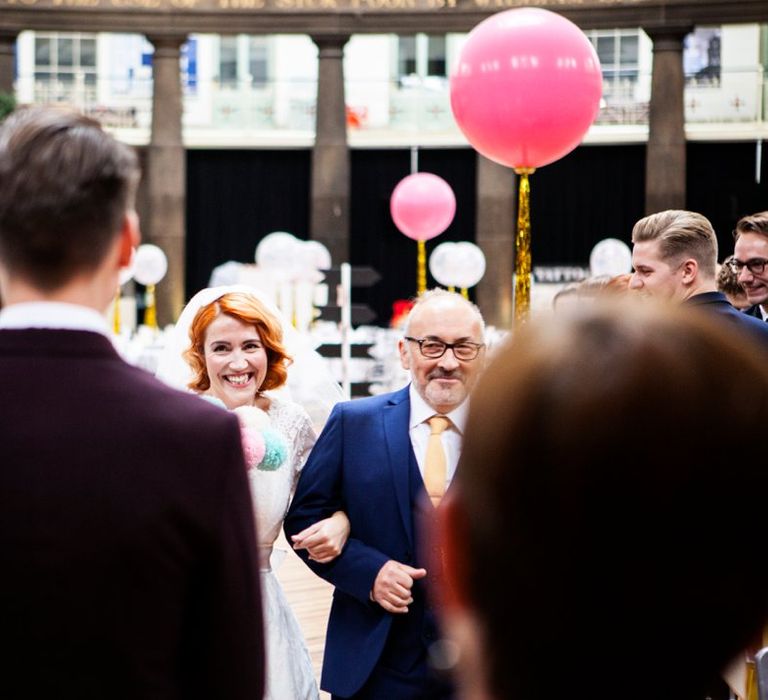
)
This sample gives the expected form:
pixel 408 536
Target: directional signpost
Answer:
pixel 362 276
pixel 347 315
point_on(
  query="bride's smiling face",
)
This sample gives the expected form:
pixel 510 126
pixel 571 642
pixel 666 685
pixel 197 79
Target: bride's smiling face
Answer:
pixel 235 359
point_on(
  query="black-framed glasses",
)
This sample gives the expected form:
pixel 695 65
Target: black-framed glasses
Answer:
pixel 432 348
pixel 754 265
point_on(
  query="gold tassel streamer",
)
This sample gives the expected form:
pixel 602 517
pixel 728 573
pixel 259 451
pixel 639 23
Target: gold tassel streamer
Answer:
pixel 116 312
pixel 150 313
pixel 421 268
pixel 523 247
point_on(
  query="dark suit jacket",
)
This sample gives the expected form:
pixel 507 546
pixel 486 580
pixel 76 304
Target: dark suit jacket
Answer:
pixel 359 464
pixel 716 303
pixel 127 545
pixel 754 311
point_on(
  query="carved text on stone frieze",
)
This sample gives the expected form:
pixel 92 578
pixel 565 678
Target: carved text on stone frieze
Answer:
pixel 310 5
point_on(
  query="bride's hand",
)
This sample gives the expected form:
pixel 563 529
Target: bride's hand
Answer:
pixel 325 539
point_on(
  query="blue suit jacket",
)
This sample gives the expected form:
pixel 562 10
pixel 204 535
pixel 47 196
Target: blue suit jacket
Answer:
pixel 716 303
pixel 360 464
pixel 754 311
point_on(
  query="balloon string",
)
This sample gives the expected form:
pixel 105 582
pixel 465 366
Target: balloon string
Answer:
pixel 421 264
pixel 150 313
pixel 116 315
pixel 465 292
pixel 523 248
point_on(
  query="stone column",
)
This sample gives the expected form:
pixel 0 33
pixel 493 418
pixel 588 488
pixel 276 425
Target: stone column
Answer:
pixel 329 196
pixel 495 227
pixel 7 52
pixel 166 175
pixel 665 153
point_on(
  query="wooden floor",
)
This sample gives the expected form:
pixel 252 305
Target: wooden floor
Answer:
pixel 310 598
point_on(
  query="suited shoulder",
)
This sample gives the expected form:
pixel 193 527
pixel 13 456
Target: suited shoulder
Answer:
pixel 372 404
pixel 756 325
pixel 165 409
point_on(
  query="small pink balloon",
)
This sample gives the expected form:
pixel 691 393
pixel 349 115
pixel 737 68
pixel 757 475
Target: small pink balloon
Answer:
pixel 422 206
pixel 526 88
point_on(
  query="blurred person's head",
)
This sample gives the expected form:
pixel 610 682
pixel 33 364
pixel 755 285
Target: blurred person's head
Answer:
pixel 67 214
pixel 750 253
pixel 566 298
pixel 728 284
pixel 674 255
pixel 619 284
pixel 443 376
pixel 585 550
pixel 572 296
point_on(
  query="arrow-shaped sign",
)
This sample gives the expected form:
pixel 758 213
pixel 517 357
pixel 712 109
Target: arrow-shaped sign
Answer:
pixel 358 351
pixel 360 313
pixel 362 276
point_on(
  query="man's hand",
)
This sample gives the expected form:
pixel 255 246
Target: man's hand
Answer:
pixel 393 584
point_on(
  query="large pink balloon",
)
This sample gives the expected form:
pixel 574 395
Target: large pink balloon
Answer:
pixel 422 206
pixel 526 88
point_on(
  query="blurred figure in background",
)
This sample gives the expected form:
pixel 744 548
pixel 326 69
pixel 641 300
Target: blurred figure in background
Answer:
pixel 728 284
pixel 586 545
pixel 572 295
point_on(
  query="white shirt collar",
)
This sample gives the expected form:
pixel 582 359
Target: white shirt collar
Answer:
pixel 53 315
pixel 421 411
pixel 763 312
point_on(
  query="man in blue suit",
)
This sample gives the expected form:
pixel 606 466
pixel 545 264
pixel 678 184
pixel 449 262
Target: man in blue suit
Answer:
pixel 675 259
pixel 750 255
pixel 370 461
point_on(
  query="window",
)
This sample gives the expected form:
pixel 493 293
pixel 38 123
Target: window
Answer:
pixel 243 60
pixel 65 67
pixel 618 51
pixel 436 55
pixel 228 62
pixel 257 60
pixel 701 56
pixel 406 56
pixel 421 56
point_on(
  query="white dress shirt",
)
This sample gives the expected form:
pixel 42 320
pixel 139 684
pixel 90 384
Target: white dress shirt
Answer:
pixel 53 315
pixel 418 431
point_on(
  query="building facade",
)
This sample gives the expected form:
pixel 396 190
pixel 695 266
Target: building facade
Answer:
pixel 245 133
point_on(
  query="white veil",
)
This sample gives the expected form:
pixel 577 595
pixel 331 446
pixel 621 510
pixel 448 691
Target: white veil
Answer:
pixel 309 383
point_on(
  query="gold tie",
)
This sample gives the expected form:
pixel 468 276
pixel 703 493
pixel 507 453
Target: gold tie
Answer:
pixel 434 465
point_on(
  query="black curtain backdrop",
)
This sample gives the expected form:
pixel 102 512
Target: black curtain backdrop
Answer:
pixel 722 185
pixel 376 241
pixel 594 192
pixel 235 198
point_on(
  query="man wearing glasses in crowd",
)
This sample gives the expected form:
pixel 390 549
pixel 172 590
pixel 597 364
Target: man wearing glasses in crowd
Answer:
pixel 749 261
pixel 675 259
pixel 387 461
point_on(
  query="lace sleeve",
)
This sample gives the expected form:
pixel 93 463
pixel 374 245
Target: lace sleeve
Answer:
pixel 305 441
pixel 295 424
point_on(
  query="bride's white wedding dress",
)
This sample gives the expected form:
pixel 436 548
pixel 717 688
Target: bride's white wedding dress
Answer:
pixel 289 669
